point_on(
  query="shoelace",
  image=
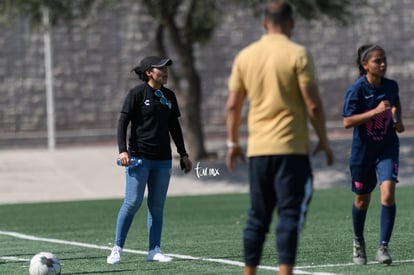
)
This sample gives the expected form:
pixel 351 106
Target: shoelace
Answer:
pixel 383 249
pixel 115 251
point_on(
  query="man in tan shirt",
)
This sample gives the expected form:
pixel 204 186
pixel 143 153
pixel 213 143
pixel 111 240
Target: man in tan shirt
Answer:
pixel 278 78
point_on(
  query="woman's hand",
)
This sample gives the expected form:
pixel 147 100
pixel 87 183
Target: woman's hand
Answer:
pixel 124 158
pixel 383 106
pixel 186 164
pixel 399 126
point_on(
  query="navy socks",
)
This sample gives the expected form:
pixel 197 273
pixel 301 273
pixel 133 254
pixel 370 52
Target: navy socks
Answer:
pixel 387 220
pixel 387 223
pixel 358 221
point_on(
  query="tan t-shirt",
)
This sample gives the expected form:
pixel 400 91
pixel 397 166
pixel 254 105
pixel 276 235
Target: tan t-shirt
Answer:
pixel 270 71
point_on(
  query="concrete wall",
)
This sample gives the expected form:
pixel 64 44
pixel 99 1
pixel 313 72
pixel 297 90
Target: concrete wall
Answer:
pixel 92 59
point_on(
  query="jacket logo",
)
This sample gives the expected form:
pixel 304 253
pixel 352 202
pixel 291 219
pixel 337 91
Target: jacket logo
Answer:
pixel 147 102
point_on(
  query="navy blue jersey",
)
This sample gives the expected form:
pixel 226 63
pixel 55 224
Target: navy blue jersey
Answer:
pixel 378 132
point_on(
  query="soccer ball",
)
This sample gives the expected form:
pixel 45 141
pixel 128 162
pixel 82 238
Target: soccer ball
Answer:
pixel 44 263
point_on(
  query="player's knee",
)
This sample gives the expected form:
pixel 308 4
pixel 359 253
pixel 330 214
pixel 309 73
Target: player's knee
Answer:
pixel 388 200
pixel 362 202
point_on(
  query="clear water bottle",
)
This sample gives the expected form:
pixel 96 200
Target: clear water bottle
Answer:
pixel 132 161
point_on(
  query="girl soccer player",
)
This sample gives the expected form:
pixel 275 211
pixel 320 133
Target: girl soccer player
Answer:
pixel 372 107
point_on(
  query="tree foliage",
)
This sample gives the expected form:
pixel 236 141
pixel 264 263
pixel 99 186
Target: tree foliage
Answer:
pixel 335 10
pixel 338 10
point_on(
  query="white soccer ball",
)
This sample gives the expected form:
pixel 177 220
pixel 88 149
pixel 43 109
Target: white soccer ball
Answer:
pixel 44 263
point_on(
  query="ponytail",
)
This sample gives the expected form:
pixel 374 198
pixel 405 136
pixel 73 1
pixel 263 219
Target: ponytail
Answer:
pixel 141 74
pixel 364 52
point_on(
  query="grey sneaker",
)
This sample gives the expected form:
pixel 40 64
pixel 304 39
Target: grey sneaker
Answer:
pixel 359 257
pixel 383 255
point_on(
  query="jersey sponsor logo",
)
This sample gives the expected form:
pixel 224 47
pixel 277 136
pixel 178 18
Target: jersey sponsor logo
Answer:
pixel 378 126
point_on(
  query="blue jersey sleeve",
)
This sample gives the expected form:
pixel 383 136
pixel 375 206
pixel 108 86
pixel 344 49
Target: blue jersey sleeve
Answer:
pixel 351 102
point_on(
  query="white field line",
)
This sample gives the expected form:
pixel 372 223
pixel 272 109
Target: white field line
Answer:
pixel 350 264
pixel 178 256
pixel 13 259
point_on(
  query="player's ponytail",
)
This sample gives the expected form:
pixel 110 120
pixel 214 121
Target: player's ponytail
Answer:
pixel 364 52
pixel 359 59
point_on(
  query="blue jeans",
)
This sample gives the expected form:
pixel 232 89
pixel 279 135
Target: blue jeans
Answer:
pixel 156 174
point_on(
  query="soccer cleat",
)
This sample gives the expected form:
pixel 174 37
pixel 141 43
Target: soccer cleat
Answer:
pixel 115 257
pixel 359 257
pixel 155 255
pixel 383 255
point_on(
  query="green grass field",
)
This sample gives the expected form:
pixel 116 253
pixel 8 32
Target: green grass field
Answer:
pixel 202 232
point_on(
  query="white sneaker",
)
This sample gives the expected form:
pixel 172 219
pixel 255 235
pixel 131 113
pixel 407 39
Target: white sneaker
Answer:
pixel 156 255
pixel 115 257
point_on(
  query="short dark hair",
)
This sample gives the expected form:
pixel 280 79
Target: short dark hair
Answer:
pixel 278 12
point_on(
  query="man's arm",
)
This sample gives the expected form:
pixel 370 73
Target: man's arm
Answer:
pixel 233 119
pixel 316 115
pixel 233 115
